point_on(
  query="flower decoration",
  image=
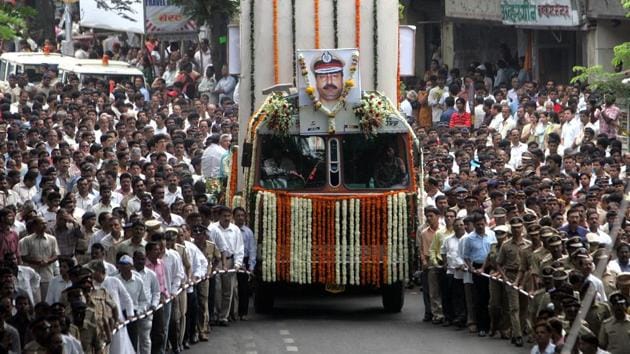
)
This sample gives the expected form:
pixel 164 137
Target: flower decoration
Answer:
pixel 279 113
pixel 371 113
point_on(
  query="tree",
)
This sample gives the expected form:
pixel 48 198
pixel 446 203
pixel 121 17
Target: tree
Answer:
pixel 13 20
pixel 604 81
pixel 122 8
pixel 216 15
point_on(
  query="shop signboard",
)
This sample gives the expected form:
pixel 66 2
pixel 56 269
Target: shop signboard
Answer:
pixel 544 13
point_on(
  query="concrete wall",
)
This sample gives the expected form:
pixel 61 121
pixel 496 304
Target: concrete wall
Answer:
pixel 601 40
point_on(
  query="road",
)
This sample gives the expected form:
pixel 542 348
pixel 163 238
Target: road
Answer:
pixel 345 324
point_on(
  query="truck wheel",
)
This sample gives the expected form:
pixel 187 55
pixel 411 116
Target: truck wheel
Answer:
pixel 263 298
pixel 393 297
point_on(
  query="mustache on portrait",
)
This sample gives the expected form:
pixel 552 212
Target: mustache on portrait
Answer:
pixel 330 86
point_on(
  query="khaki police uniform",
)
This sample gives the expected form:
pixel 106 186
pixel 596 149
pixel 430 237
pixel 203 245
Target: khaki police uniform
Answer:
pixel 509 258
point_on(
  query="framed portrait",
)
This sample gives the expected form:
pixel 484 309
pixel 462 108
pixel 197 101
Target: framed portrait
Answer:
pixel 330 78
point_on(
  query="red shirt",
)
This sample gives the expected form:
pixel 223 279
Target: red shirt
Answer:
pixel 458 119
pixel 9 243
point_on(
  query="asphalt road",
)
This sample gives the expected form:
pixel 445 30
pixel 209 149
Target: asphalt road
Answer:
pixel 347 324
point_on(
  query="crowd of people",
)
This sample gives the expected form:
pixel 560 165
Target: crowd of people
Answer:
pixel 111 206
pixel 524 195
pixel 112 209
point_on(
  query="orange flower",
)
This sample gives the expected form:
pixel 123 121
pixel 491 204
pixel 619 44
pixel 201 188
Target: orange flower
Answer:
pixel 276 48
pixel 316 14
pixel 357 23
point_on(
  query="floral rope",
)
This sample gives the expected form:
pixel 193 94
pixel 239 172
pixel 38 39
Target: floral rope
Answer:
pixel 357 24
pixel 337 242
pixel 389 236
pixel 316 18
pixel 293 39
pixel 276 48
pixel 375 42
pixel 252 56
pixel 344 241
pixel 335 24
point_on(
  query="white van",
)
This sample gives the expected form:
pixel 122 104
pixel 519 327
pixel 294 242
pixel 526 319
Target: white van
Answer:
pixel 28 63
pixel 117 71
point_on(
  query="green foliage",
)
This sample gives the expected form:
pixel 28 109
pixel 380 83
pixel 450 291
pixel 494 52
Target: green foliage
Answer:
pixel 202 11
pixel 601 80
pixel 626 5
pixel 13 20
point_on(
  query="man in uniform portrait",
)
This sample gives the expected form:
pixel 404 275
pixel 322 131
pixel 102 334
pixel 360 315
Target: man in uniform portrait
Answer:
pixel 328 72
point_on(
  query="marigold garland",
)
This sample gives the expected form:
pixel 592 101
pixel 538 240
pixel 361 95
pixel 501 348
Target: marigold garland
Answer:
pixel 232 178
pixel 294 227
pixel 316 18
pixel 276 47
pixel 357 24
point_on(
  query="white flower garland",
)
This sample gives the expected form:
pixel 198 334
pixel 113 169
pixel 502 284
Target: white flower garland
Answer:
pixel 294 274
pixel 337 243
pixel 300 237
pixel 265 233
pixel 309 240
pixel 396 226
pixel 274 234
pixel 390 225
pixel 351 227
pixel 344 241
pixel 357 240
pixel 256 225
pixel 404 242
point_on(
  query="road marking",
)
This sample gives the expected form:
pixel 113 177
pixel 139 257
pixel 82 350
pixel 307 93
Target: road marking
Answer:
pixel 414 293
pixel 251 352
pixel 284 332
pixel 292 348
pixel 250 345
pixel 288 340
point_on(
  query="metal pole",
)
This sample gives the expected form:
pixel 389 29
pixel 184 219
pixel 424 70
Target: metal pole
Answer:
pixel 68 21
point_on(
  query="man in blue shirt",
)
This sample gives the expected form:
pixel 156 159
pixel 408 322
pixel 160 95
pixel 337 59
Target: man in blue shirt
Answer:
pixel 445 117
pixel 476 248
pixel 573 228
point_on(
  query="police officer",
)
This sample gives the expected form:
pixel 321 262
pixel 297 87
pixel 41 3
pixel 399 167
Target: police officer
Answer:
pixel 613 336
pixel 508 262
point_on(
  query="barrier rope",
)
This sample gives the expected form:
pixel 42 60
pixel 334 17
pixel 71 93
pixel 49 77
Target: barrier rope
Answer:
pixel 184 287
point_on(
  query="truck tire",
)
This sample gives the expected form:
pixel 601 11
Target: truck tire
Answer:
pixel 393 297
pixel 263 298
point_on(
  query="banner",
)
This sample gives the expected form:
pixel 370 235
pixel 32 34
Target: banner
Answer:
pixel 164 18
pixel 114 15
pixel 550 13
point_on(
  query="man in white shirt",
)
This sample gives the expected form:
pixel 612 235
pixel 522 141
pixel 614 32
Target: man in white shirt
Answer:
pixel 27 277
pixel 504 122
pixel 211 158
pixel 203 57
pixel 436 98
pixel 135 287
pixel 571 127
pixel 170 74
pixel 232 252
pixel 152 300
pixel 517 148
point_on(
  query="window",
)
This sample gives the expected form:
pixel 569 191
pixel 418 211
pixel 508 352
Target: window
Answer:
pixel 3 70
pixel 379 162
pixel 292 162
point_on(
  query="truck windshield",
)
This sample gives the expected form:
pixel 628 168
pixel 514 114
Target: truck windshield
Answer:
pixel 379 162
pixel 292 162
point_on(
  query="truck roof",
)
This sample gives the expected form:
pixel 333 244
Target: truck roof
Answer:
pixel 37 58
pixel 96 67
